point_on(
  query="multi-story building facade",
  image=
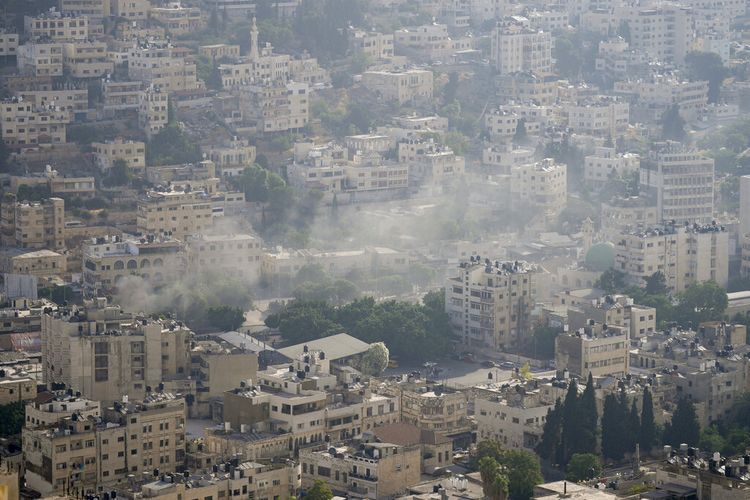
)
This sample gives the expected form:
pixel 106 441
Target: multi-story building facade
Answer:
pixel 543 185
pixel 517 48
pixel 606 163
pixel 596 349
pixel 662 32
pixel 178 19
pixel 400 86
pixel 40 59
pixel 55 26
pixel 680 182
pixel 120 97
pixel 73 100
pixel 27 126
pixel 603 116
pixel 87 59
pixel 133 153
pixel 376 46
pixel 39 263
pixel 8 44
pixel 109 260
pixel 238 254
pixel 36 225
pixel 490 303
pixel 174 213
pixel 106 353
pixel 153 110
pixel 159 64
pixel 685 255
pixel 132 10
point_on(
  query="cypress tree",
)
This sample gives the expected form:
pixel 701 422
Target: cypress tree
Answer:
pixel 571 423
pixel 589 419
pixel 613 427
pixel 550 442
pixel 633 428
pixel 647 435
pixel 684 427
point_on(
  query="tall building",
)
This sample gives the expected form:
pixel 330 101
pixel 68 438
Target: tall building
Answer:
pixel 105 353
pixel 490 302
pixel 153 110
pixel 684 254
pixel 680 182
pixel 597 349
pixel 25 125
pixel 174 213
pixel 542 185
pixel 744 205
pixel 37 225
pixel 663 32
pixel 517 48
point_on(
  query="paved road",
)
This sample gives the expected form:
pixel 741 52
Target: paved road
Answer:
pixel 463 374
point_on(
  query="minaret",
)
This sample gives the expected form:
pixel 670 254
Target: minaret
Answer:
pixel 253 52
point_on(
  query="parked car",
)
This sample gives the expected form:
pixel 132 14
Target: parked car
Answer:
pixel 507 365
pixel 488 364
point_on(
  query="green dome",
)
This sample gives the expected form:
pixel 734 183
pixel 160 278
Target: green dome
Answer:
pixel 600 257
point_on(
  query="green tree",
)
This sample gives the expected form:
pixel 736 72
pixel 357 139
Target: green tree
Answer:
pixel 702 302
pixel 225 318
pixel 119 174
pixel 571 422
pixel 611 281
pixel 375 360
pixel 656 284
pixel 633 427
pixel 38 192
pixel 589 419
pixel 12 417
pixel 451 88
pixel 672 124
pixel 549 444
pixel 319 491
pixel 684 427
pixel 494 481
pixel 520 135
pixel 583 467
pixel 541 345
pixel 524 472
pixel 707 66
pixel 647 435
pixel 170 147
pixel 614 418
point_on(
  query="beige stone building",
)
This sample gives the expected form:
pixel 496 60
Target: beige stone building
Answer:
pixel 600 116
pixel 685 255
pixel 437 449
pixel 229 253
pixel 16 385
pixel 432 166
pixel 233 157
pixel 400 86
pixel 606 163
pixel 597 349
pixel 516 48
pixel 277 107
pixel 58 185
pixel 376 46
pixel 86 452
pixel 35 225
pixel 105 353
pixel 376 470
pixel 159 64
pixel 8 44
pixel 57 27
pixel 87 59
pixel 133 153
pixel 490 303
pixel 47 412
pixel 40 263
pixel 174 213
pixel 680 182
pixel 132 10
pixel 92 8
pixel 40 59
pixel 27 126
pixel 153 111
pixel 120 97
pixel 177 19
pixel 73 100
pixel 107 261
pixel 219 51
pixel 542 185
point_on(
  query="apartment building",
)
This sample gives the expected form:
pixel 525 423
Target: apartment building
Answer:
pixel 375 470
pixel 85 452
pixel 8 44
pixel 431 165
pixel 87 59
pixel 377 46
pixel 132 10
pixel 36 225
pixel 228 253
pixel 105 353
pixel 601 116
pixel 625 214
pixel 598 349
pixel 153 111
pixel 514 416
pixel 429 42
pixel 617 310
pixel 516 48
pixel 174 213
pixel 157 63
pixel 663 32
pixel 133 153
pixel 97 9
pixel 40 59
pixel 499 159
pixel 16 384
pixel 109 260
pixel 219 51
pixel 606 163
pixel 657 93
pixel 232 157
pixel 540 88
pixel 276 107
pixel 178 19
pixel 73 100
pixel 685 255
pixel 47 412
pixel 39 263
pixel 25 125
pixel 55 26
pixel 120 97
pixel 680 182
pixel 490 303
pixel 400 86
pixel 543 185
